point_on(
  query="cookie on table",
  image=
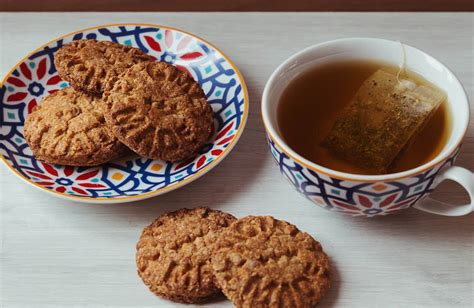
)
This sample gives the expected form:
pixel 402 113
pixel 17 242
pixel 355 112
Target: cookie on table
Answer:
pixel 173 254
pixel 158 111
pixel 260 261
pixel 88 64
pixel 68 128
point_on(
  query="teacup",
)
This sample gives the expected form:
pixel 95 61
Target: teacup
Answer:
pixel 372 195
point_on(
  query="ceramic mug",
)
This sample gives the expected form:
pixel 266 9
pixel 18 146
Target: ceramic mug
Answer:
pixel 371 195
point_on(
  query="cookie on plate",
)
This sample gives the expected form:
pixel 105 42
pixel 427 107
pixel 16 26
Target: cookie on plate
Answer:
pixel 88 64
pixel 158 111
pixel 260 261
pixel 173 254
pixel 68 128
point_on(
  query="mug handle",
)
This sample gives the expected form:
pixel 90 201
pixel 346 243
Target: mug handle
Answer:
pixel 459 175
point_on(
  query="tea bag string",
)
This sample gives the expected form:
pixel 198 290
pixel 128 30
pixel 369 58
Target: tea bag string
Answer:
pixel 402 65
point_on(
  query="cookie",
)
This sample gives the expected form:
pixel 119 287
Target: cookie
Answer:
pixel 173 254
pixel 68 128
pixel 88 64
pixel 260 261
pixel 158 111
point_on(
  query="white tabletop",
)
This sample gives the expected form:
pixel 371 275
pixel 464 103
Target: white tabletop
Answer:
pixel 56 253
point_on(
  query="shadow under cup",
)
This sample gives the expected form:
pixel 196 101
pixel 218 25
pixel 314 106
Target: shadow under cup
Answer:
pixel 371 195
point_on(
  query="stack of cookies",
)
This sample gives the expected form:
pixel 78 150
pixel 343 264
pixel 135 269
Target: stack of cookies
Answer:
pixel 120 99
pixel 192 255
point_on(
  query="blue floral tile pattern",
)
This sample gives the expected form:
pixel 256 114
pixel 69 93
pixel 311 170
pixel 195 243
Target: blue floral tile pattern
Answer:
pixel 36 76
pixel 356 198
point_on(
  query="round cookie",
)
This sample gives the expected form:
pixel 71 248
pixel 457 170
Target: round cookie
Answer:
pixel 88 64
pixel 173 254
pixel 68 128
pixel 260 261
pixel 158 111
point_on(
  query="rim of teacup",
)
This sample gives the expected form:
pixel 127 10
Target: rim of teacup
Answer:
pixel 272 133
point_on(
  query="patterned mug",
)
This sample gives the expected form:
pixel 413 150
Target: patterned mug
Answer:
pixel 371 195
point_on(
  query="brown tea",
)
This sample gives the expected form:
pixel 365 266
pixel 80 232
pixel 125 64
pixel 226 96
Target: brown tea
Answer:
pixel 312 103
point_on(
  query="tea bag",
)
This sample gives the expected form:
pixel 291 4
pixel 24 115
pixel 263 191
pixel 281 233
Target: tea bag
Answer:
pixel 382 118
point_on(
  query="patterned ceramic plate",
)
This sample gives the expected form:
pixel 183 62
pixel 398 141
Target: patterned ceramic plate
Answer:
pixel 132 178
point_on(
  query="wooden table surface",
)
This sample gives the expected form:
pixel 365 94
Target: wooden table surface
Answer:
pixel 56 253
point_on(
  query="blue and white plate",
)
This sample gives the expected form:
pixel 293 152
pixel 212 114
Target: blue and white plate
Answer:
pixel 132 178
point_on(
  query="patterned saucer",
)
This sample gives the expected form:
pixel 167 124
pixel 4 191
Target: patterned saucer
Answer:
pixel 131 178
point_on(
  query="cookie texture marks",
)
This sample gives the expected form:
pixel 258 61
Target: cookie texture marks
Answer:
pixel 264 262
pixel 159 111
pixel 173 254
pixel 88 64
pixel 69 128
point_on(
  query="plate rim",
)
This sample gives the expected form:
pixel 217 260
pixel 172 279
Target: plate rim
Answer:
pixel 161 191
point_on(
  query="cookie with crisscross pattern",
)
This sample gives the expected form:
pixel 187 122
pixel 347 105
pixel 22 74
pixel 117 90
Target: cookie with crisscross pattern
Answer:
pixel 260 261
pixel 173 254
